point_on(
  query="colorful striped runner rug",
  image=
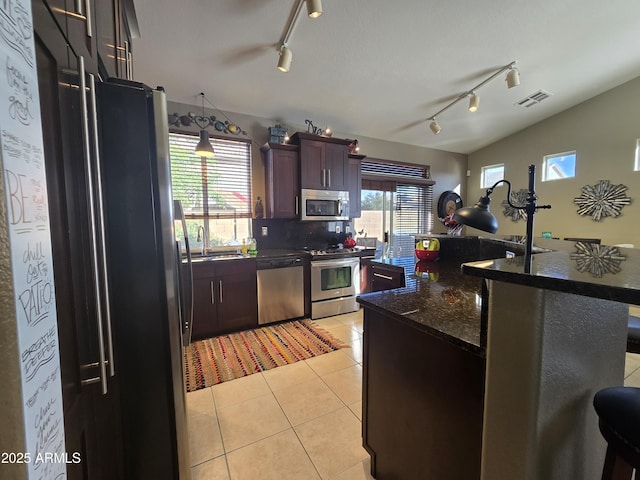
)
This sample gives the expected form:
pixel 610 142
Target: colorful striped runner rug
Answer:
pixel 216 360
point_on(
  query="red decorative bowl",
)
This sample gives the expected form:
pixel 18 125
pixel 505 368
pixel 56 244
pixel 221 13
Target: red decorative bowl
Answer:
pixel 427 254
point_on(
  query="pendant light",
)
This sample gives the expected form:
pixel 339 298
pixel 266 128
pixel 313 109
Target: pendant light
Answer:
pixel 204 147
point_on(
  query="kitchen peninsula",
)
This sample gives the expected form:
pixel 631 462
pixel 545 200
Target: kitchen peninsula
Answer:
pixel 504 391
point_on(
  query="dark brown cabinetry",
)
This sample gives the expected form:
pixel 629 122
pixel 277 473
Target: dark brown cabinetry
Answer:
pixel 324 162
pixel 92 418
pixel 282 180
pixel 375 276
pixel 224 297
pixel 422 402
pixel 355 185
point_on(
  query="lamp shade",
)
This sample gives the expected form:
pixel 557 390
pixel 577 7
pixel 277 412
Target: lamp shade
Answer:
pixel 513 78
pixel 479 216
pixel 204 148
pixel 284 62
pixel 474 102
pixel 314 8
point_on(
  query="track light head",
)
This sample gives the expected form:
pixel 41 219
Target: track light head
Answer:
pixel 513 78
pixel 474 102
pixel 314 8
pixel 284 62
pixel 435 128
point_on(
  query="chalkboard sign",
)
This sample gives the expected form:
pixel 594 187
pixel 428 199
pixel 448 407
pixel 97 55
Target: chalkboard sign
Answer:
pixel 30 244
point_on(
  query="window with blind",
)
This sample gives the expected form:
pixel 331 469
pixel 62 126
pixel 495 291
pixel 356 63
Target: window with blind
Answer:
pixel 215 192
pixel 397 198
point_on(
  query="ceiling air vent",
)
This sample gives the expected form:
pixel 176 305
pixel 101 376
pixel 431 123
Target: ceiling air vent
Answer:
pixel 533 99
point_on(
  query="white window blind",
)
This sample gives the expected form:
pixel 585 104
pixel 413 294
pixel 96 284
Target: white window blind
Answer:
pixel 218 187
pixel 412 205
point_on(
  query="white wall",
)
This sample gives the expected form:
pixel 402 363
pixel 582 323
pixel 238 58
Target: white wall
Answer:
pixel 603 131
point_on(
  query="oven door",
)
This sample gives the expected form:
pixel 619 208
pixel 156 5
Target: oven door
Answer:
pixel 334 278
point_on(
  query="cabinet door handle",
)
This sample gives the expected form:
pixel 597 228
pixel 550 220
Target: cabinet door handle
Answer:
pixel 79 8
pixel 297 204
pixel 213 296
pixel 323 182
pixel 92 226
pixel 127 56
pixel 101 224
pixel 386 277
pixel 328 177
pixel 220 290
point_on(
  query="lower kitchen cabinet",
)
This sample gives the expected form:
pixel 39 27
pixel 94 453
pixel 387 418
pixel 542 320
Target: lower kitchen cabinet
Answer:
pixel 375 276
pixel 225 297
pixel 422 402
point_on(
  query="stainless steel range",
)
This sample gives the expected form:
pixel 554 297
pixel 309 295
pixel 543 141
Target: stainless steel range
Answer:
pixel 335 282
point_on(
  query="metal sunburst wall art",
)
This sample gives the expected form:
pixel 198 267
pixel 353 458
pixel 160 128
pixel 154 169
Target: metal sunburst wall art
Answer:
pixel 518 198
pixel 597 259
pixel 602 200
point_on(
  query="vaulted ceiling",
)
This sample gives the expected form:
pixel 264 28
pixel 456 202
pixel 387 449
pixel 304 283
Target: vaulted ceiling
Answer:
pixel 381 69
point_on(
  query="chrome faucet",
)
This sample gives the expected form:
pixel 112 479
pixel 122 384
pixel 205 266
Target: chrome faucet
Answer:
pixel 201 239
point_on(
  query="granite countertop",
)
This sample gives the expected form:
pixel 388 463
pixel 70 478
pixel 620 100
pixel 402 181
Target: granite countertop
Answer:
pixel 437 299
pixel 592 270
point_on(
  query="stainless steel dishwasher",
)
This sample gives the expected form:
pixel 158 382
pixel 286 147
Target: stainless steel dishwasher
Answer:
pixel 280 288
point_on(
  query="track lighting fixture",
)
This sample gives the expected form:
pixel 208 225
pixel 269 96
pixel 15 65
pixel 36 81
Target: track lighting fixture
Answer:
pixel 284 63
pixel 435 128
pixel 314 9
pixel 513 79
pixel 474 102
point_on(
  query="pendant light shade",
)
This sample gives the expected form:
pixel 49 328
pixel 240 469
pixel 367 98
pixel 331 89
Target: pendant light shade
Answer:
pixel 479 216
pixel 513 78
pixel 435 128
pixel 204 148
pixel 284 63
pixel 314 8
pixel 474 102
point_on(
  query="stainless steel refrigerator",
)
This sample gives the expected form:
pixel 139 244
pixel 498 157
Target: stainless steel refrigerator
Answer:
pixel 143 266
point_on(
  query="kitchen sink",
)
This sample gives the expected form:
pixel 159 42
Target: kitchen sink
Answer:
pixel 217 256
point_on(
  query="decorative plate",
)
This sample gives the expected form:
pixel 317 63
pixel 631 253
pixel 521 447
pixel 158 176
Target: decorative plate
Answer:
pixel 448 203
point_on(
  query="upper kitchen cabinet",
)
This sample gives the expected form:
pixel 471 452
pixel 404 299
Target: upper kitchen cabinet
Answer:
pixel 81 32
pixel 282 180
pixel 324 162
pixel 116 24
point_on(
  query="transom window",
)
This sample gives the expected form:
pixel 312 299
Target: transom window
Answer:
pixel 491 174
pixel 215 192
pixel 559 166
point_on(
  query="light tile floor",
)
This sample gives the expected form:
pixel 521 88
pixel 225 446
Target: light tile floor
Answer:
pixel 299 422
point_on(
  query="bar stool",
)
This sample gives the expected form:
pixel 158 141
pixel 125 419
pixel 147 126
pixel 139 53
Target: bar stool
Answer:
pixel 633 335
pixel 618 410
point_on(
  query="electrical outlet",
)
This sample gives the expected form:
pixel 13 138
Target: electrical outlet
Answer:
pixel 265 231
pixel 337 228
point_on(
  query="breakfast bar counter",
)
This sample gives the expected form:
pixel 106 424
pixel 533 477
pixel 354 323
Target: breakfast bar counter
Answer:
pixel 556 336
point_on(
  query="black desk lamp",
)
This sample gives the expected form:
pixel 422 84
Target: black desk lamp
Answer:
pixel 481 218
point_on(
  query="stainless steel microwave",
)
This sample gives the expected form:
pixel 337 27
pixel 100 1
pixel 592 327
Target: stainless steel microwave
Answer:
pixel 325 205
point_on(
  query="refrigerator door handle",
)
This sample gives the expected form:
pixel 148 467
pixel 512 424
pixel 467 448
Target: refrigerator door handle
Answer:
pixel 187 320
pixel 101 225
pixel 92 227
